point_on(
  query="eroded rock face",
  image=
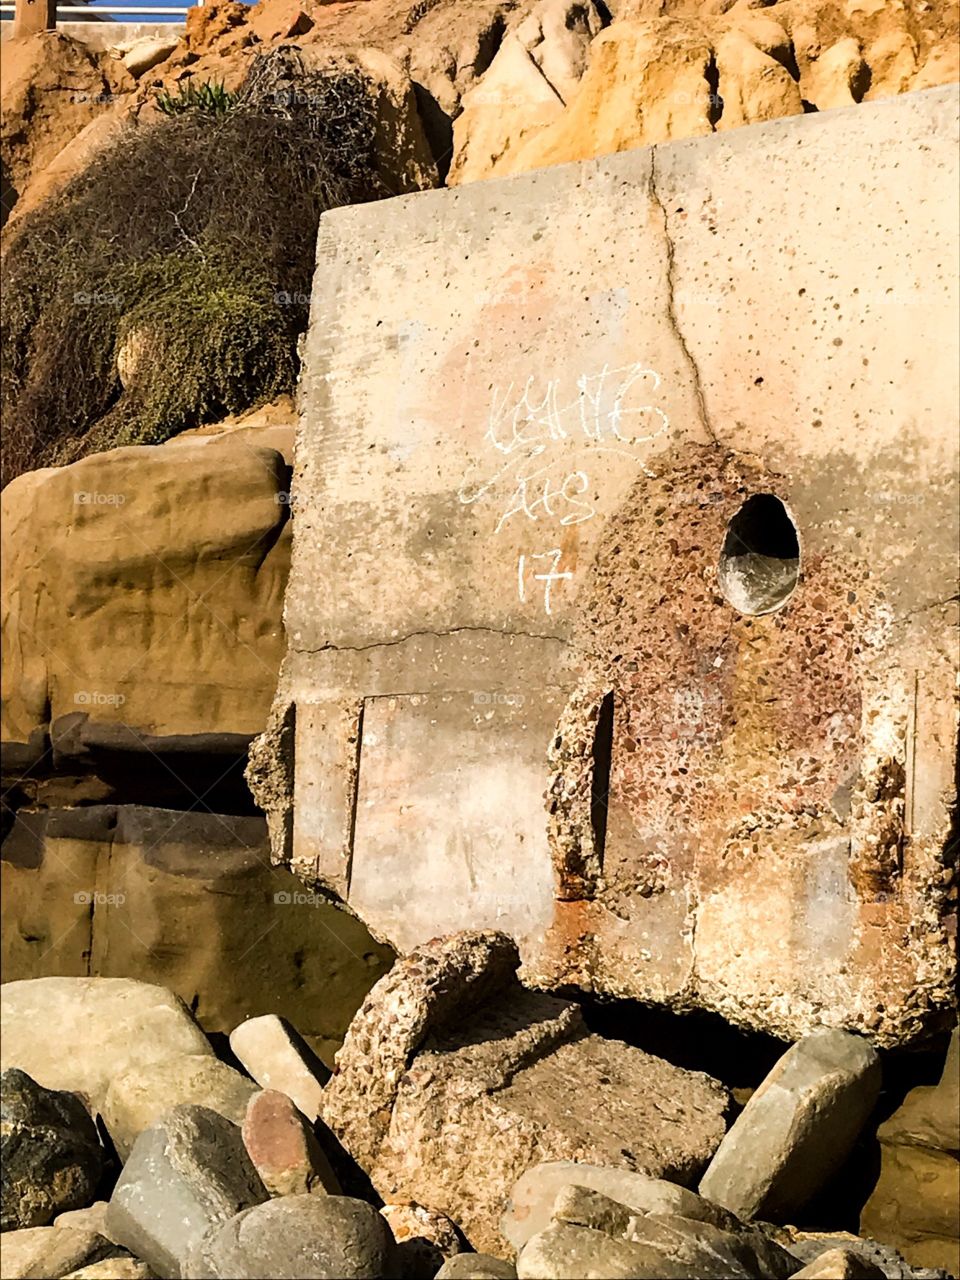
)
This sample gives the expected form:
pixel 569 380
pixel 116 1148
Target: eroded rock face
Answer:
pixel 126 891
pixel 175 629
pixel 453 1080
pixel 663 72
pixel 914 1204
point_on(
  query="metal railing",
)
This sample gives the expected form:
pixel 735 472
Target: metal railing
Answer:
pixel 42 15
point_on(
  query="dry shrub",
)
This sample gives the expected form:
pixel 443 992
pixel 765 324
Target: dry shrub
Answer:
pixel 199 230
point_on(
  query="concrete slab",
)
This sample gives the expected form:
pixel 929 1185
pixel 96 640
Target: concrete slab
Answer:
pixel 664 442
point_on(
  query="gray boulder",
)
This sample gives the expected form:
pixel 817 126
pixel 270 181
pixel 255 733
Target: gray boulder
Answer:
pixel 186 1176
pixel 476 1266
pixel 304 1237
pixel 529 1209
pixel 797 1129
pixel 592 1235
pixel 49 1150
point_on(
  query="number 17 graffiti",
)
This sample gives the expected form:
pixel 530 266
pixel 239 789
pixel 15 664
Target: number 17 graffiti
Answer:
pixel 548 579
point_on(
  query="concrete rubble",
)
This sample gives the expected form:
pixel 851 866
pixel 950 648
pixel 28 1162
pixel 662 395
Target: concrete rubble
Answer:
pixel 453 1079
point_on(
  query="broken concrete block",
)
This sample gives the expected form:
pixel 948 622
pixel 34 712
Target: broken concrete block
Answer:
pixel 453 1080
pixel 299 1238
pixel 137 1098
pixel 278 1058
pixel 185 1176
pixel 284 1149
pixel 797 1128
pixel 670 566
pixel 104 1026
pixel 425 1239
pixel 50 1152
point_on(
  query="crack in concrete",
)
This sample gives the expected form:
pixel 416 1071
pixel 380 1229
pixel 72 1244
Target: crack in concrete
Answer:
pixel 671 305
pixel 438 635
pixel 923 608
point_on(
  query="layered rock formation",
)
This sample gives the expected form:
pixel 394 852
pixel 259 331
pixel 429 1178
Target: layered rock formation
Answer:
pixel 141 641
pixel 682 70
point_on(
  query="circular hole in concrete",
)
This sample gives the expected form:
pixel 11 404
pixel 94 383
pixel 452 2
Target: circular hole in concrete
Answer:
pixel 760 560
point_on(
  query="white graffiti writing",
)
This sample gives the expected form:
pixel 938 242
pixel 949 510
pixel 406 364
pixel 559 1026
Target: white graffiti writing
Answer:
pixel 538 432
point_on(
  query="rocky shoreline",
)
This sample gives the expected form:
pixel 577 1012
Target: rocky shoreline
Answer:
pixel 470 1129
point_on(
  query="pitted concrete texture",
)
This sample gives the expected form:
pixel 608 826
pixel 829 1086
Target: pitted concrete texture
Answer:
pixel 453 1080
pixel 623 586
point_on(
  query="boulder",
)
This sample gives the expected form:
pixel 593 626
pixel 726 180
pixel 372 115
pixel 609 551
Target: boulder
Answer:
pixel 798 1127
pixel 185 1176
pixel 78 1033
pixel 92 1218
pixel 46 1253
pixel 283 1148
pixel 120 1268
pixel 137 1098
pixel 278 1058
pixel 141 56
pixel 476 1266
pixel 313 1237
pixel 425 1239
pixel 914 1203
pixel 592 1235
pixel 50 1153
pixel 839 1264
pixel 453 1080
pixel 809 1246
pixel 529 1209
